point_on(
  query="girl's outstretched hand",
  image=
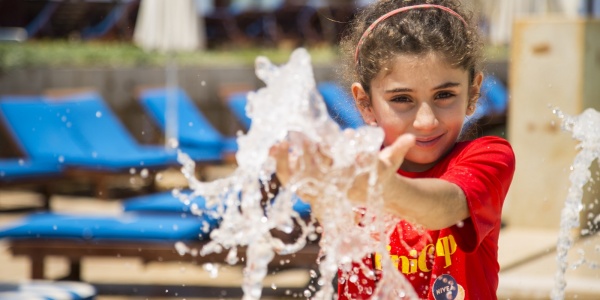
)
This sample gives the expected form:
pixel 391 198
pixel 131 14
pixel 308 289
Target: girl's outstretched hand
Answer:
pixel 309 167
pixel 390 160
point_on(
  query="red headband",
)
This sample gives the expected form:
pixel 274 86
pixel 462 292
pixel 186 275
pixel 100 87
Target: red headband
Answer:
pixel 399 10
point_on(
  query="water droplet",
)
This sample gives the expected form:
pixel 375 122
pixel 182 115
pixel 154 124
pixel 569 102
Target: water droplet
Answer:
pixel 181 248
pixel 307 293
pixel 144 173
pixel 212 269
pixel 98 114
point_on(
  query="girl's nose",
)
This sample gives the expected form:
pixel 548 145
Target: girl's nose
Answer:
pixel 425 118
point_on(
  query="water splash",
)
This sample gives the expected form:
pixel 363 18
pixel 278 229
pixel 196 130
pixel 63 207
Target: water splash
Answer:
pixel 290 108
pixel 583 128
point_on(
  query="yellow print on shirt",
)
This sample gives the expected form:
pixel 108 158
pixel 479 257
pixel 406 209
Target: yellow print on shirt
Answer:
pixel 444 247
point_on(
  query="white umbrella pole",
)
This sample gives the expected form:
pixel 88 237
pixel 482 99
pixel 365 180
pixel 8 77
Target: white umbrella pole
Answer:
pixel 171 137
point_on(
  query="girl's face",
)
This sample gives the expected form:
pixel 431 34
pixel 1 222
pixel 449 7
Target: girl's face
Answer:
pixel 422 95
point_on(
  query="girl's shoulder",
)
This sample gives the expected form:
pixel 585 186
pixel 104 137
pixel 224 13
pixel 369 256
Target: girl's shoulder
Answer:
pixel 486 147
pixel 486 142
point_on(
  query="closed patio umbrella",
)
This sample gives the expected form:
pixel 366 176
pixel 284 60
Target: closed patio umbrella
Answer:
pixel 168 26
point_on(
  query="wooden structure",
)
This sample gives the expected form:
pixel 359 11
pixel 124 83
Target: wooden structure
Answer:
pixel 555 63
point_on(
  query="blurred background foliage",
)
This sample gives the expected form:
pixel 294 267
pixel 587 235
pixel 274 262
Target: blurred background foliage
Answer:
pixel 64 54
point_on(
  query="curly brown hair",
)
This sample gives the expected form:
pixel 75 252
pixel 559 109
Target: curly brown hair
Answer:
pixel 415 31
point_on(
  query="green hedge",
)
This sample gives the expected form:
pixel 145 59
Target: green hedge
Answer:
pixel 35 54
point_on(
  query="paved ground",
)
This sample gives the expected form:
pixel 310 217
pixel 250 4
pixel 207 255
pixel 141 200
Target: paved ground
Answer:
pixel 526 257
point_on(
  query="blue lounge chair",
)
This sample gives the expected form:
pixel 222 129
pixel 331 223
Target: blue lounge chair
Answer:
pixel 81 133
pixel 166 203
pixel 494 97
pixel 113 147
pixel 340 105
pixel 67 130
pixel 151 237
pixel 236 103
pixel 19 171
pixel 75 236
pixel 492 105
pixel 197 137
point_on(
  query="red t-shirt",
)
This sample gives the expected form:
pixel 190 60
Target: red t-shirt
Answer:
pixel 459 262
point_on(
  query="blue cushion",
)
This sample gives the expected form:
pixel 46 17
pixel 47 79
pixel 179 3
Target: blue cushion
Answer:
pixel 16 169
pixel 47 290
pixel 302 207
pixel 127 227
pixel 204 154
pixel 80 131
pixel 230 145
pixel 33 123
pixel 493 100
pixel 237 104
pixel 193 129
pixel 113 147
pixel 340 105
pixel 495 95
pixel 165 202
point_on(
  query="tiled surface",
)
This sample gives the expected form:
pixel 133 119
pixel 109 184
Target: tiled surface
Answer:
pixel 518 245
pixel 535 278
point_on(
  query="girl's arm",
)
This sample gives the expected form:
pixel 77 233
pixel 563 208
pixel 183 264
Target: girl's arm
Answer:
pixel 431 202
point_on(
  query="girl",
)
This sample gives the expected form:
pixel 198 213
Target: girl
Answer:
pixel 415 68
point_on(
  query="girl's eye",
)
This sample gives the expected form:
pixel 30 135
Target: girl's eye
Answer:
pixel 443 95
pixel 400 99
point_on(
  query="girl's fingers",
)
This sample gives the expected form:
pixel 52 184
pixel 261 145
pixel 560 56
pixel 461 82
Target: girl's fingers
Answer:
pixel 393 156
pixel 281 154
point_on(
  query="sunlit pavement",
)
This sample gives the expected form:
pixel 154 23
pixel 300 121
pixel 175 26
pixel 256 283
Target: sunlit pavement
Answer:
pixel 527 259
pixel 533 275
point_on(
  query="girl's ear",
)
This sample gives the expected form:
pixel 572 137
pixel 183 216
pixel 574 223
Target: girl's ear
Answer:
pixel 474 93
pixel 363 102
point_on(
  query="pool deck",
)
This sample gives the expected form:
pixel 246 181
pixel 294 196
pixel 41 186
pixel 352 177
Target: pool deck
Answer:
pixel 526 256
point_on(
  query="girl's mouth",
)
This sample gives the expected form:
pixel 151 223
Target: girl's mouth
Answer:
pixel 427 142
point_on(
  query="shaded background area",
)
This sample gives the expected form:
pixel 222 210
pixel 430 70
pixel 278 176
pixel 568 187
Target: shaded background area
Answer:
pixel 65 45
